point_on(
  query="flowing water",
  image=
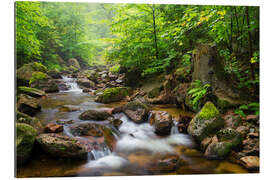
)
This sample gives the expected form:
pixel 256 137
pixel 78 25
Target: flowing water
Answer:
pixel 136 144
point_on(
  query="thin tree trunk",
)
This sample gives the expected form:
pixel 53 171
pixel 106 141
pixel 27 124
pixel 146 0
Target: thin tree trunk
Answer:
pixel 155 32
pixel 250 44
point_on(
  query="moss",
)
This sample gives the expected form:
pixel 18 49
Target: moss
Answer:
pixel 134 105
pixel 39 67
pixel 73 62
pixel 113 94
pixel 31 91
pixel 230 135
pixel 72 68
pixel 208 111
pixel 37 76
pixel 25 137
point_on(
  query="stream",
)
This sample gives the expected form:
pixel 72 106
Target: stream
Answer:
pixel 137 144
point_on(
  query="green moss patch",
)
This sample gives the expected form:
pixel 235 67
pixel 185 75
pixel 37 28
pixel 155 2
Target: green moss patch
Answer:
pixel 208 111
pixel 36 76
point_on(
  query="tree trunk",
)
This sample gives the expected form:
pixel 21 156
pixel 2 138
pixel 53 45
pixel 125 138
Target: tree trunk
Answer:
pixel 155 32
pixel 250 45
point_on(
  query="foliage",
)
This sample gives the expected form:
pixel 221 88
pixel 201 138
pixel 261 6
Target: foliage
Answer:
pixel 115 68
pixel 252 107
pixel 197 92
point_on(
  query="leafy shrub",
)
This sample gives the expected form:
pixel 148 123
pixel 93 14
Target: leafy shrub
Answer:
pixel 115 68
pixel 198 91
pixel 252 107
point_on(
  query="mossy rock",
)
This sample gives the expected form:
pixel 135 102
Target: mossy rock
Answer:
pixel 31 91
pixel 154 92
pixel 136 111
pixel 208 121
pixel 24 73
pixel 218 150
pixel 28 105
pixel 113 94
pixel 25 138
pixel 230 135
pixel 74 62
pixel 134 105
pixel 24 118
pixel 54 73
pixel 38 76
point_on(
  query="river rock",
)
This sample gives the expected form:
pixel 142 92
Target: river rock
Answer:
pixel 68 108
pixel 47 85
pixel 32 121
pixel 183 123
pixel 162 122
pixel 251 162
pixel 206 122
pixel 100 134
pixel 218 150
pixel 115 122
pixel 28 105
pixel 136 111
pixel 113 94
pixel 230 135
pixel 164 163
pixel 98 115
pixel 53 128
pixel 86 83
pixel 25 137
pixel 61 146
pixel 33 92
pixel 55 74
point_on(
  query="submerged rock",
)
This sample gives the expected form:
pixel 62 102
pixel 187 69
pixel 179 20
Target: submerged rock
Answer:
pixel 162 122
pixel 68 108
pixel 98 115
pixel 164 163
pixel 28 105
pixel 53 128
pixel 61 146
pixel 136 111
pixel 206 122
pixel 113 94
pixel 25 137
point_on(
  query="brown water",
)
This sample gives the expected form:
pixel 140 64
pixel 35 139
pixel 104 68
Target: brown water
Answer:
pixel 132 153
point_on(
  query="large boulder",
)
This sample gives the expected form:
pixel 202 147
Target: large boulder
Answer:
pixel 162 121
pixel 47 85
pixel 28 105
pixel 136 111
pixel 95 134
pixel 55 74
pixel 61 146
pixel 98 115
pixel 113 94
pixel 84 82
pixel 30 91
pixel 74 62
pixel 206 122
pixel 25 138
pixel 24 118
pixel 25 72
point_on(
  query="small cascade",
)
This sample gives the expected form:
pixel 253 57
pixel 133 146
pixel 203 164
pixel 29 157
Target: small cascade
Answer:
pixel 72 84
pixel 174 129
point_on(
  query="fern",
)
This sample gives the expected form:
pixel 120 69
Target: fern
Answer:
pixel 197 92
pixel 253 107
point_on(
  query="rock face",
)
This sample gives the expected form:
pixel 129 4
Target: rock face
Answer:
pixel 47 85
pixel 162 122
pixel 113 94
pixel 209 68
pixel 206 122
pixel 31 91
pixel 28 105
pixel 25 137
pixel 53 128
pixel 61 146
pixel 95 115
pixel 136 111
pixel 25 72
pixel 74 62
pixel 32 121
